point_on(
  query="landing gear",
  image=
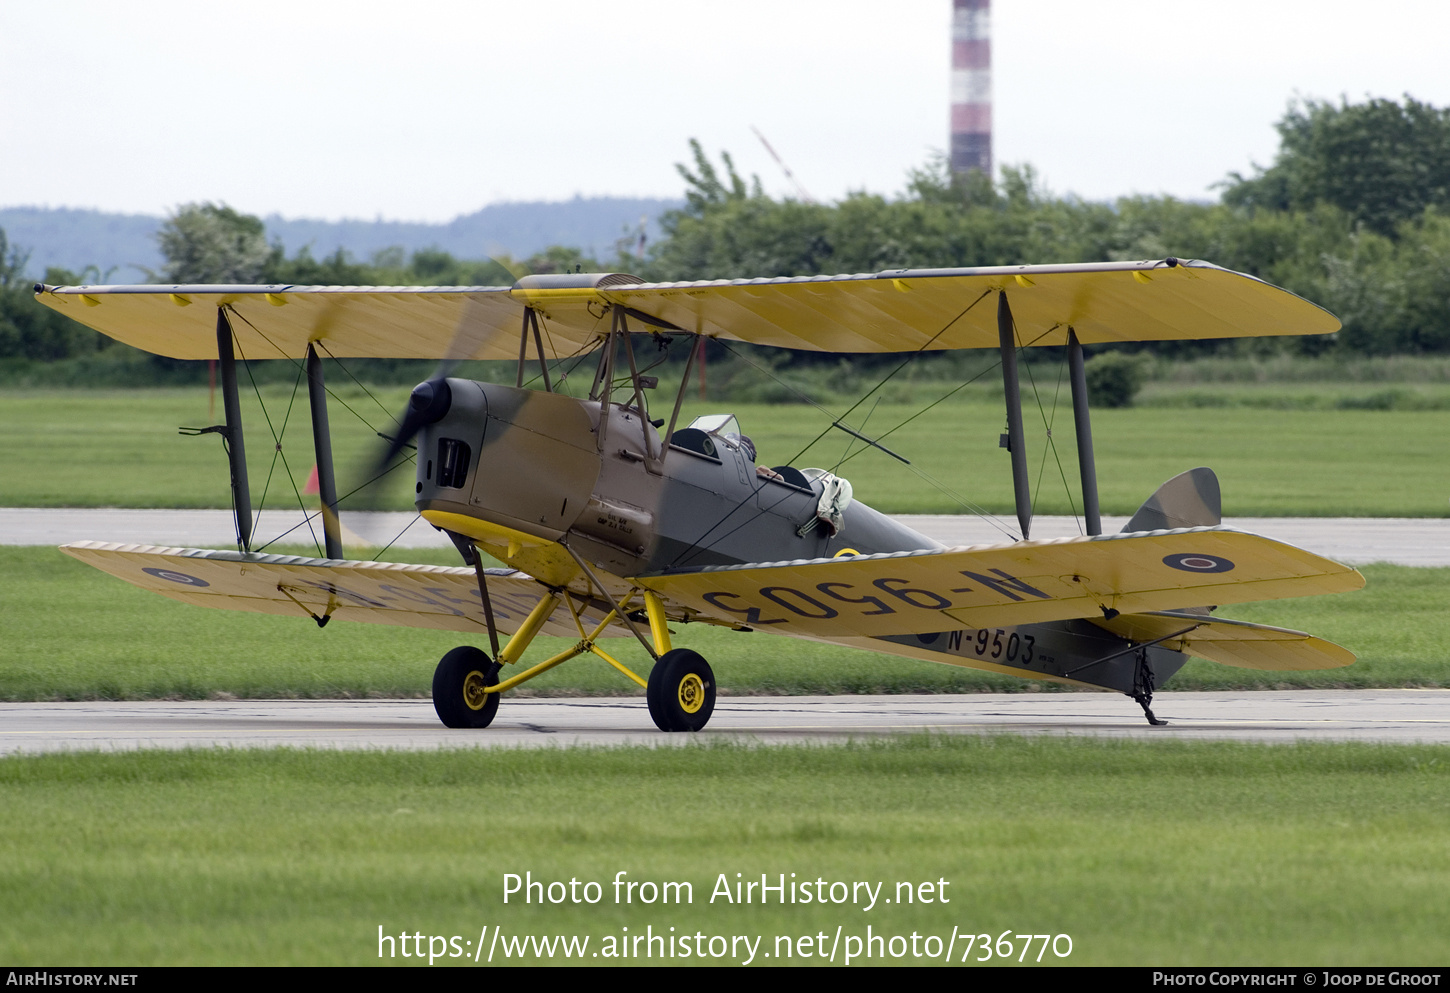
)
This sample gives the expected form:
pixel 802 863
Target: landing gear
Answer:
pixel 458 688
pixel 681 691
pixel 1143 686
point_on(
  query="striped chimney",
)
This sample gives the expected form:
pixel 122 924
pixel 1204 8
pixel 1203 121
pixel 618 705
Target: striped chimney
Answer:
pixel 972 86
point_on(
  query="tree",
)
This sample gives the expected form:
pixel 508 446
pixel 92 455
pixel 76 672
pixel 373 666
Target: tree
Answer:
pixel 704 188
pixel 1381 162
pixel 212 243
pixel 29 330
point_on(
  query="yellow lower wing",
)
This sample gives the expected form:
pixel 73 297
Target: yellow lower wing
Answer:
pixel 999 585
pixel 421 596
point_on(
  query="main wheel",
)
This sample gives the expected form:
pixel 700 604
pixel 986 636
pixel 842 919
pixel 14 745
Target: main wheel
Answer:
pixel 458 683
pixel 681 691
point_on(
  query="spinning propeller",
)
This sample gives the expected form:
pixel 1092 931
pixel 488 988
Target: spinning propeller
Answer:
pixel 430 400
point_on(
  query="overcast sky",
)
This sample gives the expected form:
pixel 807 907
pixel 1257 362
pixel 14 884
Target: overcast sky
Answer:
pixel 430 109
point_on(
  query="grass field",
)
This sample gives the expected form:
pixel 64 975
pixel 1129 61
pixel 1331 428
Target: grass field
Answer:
pixel 1170 853
pixel 1157 853
pixel 72 632
pixel 120 448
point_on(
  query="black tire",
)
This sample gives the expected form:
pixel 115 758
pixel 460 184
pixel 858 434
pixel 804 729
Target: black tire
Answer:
pixel 681 691
pixel 457 688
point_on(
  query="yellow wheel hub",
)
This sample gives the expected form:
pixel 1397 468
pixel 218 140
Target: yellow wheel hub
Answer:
pixel 473 690
pixel 692 693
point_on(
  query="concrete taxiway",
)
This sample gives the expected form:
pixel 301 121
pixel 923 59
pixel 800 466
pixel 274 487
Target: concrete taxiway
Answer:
pixel 1352 540
pixel 1391 716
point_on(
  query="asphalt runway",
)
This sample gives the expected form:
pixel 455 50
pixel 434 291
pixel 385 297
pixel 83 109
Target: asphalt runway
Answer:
pixel 1352 540
pixel 1392 716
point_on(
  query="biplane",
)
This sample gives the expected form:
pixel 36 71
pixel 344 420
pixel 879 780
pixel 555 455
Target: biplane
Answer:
pixel 609 525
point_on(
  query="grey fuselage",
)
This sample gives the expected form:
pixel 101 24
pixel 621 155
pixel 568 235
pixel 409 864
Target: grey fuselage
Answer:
pixel 631 506
pixel 533 462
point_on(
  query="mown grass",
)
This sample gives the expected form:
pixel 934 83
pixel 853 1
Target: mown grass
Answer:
pixel 73 633
pixel 1294 396
pixel 1163 853
pixel 1277 455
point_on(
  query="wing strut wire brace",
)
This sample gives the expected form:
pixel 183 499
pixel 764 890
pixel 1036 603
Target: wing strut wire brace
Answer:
pixel 326 614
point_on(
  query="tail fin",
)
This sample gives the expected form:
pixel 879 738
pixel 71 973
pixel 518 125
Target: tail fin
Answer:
pixel 1189 500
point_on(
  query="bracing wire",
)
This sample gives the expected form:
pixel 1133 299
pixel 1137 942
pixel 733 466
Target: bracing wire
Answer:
pixel 698 545
pixel 887 378
pixel 301 366
pixel 975 508
pixel 277 449
pixel 1051 441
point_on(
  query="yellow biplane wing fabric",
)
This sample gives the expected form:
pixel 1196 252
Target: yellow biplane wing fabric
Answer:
pixel 273 322
pixel 957 308
pixel 1237 643
pixel 1000 585
pixel 896 311
pixel 421 596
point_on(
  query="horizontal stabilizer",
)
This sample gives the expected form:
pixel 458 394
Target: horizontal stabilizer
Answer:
pixel 423 596
pixel 1235 643
pixel 999 585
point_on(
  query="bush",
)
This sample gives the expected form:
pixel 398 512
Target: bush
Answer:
pixel 1114 379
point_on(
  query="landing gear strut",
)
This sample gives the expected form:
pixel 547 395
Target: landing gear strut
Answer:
pixel 1143 686
pixel 680 690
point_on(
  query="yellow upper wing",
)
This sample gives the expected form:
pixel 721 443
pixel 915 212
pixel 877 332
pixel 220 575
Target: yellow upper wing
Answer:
pixel 273 322
pixel 894 311
pixel 956 308
pixel 1002 585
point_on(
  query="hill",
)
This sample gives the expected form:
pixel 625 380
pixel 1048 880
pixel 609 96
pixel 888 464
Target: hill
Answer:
pixel 123 246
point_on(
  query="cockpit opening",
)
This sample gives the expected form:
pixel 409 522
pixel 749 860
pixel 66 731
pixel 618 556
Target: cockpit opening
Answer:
pixel 709 434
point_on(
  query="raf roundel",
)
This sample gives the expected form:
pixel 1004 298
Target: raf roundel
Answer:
pixel 1196 562
pixel 176 577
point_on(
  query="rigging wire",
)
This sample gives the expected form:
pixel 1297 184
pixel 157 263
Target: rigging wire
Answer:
pixel 360 385
pixel 398 536
pixel 1052 444
pixel 313 515
pixel 578 355
pixel 906 361
pixel 277 448
pixel 277 451
pixel 323 345
pixel 975 508
pixel 310 516
pixel 851 439
pixel 698 544
pixel 1047 425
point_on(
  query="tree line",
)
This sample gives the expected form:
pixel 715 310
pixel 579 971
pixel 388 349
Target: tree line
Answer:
pixel 1353 214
